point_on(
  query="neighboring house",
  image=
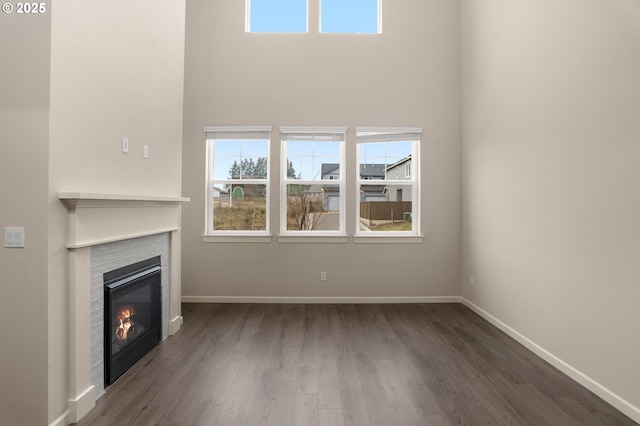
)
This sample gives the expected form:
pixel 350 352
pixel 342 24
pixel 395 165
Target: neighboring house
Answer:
pixel 400 170
pixel 372 171
pixel 331 171
pixel 217 192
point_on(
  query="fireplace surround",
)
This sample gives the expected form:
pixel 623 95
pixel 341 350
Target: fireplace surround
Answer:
pixel 98 226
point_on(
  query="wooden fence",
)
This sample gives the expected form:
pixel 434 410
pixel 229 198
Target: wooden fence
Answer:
pixel 384 210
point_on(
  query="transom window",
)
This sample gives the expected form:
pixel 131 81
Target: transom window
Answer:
pixel 387 183
pixel 276 16
pixel 312 198
pixel 292 16
pixel 350 16
pixel 237 179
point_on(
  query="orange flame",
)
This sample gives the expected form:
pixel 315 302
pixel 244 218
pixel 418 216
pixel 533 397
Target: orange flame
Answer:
pixel 126 322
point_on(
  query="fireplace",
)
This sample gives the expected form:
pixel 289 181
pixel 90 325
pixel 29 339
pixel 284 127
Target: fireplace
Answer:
pixel 133 324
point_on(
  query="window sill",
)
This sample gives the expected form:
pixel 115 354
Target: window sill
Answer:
pixel 315 239
pixel 236 238
pixel 387 239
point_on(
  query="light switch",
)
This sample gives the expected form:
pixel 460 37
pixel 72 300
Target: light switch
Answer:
pixel 14 237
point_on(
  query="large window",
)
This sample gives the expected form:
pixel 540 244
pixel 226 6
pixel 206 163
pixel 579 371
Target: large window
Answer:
pixel 289 16
pixel 350 16
pixel 387 184
pixel 237 180
pixel 312 170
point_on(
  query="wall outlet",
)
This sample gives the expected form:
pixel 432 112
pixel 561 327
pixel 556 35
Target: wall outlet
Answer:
pixel 145 151
pixel 125 145
pixel 471 281
pixel 323 276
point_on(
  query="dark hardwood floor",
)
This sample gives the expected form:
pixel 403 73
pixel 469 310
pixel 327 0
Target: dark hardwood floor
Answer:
pixel 422 364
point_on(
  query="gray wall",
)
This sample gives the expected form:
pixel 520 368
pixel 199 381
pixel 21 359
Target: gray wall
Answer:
pixel 74 81
pixel 25 45
pixel 551 178
pixel 116 71
pixel 407 76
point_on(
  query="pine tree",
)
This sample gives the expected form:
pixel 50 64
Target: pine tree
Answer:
pixel 260 170
pixel 291 172
pixel 234 171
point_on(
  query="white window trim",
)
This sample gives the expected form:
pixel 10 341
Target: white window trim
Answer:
pixel 415 235
pixel 236 238
pixel 387 239
pixel 211 235
pixel 287 236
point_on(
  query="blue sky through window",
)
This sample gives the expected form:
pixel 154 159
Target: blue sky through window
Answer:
pixel 337 16
pixel 386 153
pixel 228 151
pixel 278 16
pixel 349 16
pixel 308 157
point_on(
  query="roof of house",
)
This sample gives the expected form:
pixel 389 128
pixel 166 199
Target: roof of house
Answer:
pixel 371 171
pixel 328 168
pixel 366 170
pixel 372 189
pixel 397 163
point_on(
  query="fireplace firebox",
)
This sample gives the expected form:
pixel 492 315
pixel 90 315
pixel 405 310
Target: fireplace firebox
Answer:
pixel 132 324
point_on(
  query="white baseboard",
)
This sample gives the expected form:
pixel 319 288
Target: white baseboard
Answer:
pixel 81 404
pixel 63 420
pixel 618 402
pixel 319 300
pixel 175 324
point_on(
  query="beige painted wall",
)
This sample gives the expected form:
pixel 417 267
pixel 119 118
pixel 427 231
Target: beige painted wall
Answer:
pixel 116 71
pixel 551 202
pixel 24 122
pixel 407 76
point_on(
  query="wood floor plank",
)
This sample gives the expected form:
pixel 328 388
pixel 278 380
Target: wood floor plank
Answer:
pixel 300 364
pixel 330 417
pixel 354 408
pixel 405 411
pixel 305 410
pixel 282 394
pixel 329 384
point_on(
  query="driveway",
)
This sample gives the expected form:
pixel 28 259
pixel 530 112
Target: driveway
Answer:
pixel 326 221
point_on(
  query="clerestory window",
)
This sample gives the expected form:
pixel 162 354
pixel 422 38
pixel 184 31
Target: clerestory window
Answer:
pixel 276 16
pixel 292 16
pixel 350 16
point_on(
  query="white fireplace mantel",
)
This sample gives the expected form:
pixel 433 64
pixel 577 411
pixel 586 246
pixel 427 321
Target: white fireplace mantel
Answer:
pixel 104 218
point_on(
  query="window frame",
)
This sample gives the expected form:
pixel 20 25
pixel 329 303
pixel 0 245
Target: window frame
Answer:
pixel 286 235
pixel 413 180
pixel 261 133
